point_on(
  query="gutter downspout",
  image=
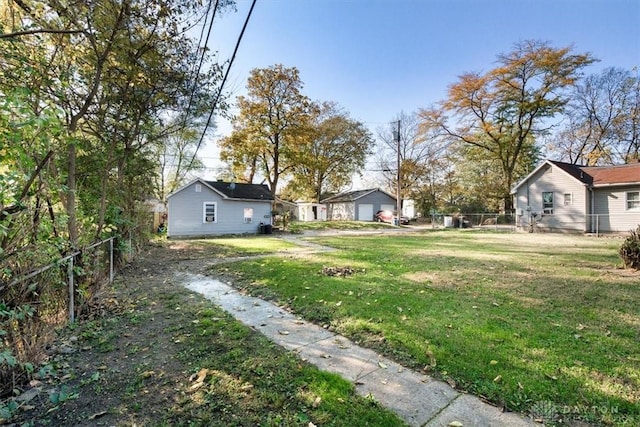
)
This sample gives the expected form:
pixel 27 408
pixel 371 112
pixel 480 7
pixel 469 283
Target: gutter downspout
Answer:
pixel 592 209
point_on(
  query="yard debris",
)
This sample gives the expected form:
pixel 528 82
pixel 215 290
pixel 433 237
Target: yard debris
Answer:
pixel 97 415
pixel 317 402
pixel 340 271
pixel 199 377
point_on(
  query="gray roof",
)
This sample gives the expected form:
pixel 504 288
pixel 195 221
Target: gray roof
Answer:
pixel 575 171
pixel 352 196
pixel 233 190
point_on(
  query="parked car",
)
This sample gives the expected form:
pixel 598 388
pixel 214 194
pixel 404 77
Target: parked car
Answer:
pixel 388 216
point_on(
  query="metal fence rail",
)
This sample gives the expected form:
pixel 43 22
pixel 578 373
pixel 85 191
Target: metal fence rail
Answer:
pixel 70 261
pixel 487 220
pixel 607 223
pixel 610 223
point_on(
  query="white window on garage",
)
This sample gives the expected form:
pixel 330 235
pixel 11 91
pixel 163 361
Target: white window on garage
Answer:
pixel 209 212
pixel 248 215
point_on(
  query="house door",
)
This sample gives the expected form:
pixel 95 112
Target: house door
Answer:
pixel 365 212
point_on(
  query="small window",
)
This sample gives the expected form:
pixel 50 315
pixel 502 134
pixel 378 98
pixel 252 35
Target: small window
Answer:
pixel 633 200
pixel 198 188
pixel 248 215
pixel 547 202
pixel 568 199
pixel 209 212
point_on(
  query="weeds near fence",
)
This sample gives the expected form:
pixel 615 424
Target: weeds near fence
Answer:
pixel 630 250
pixel 33 303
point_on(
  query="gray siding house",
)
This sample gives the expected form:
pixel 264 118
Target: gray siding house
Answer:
pixel 206 208
pixel 358 205
pixel 591 199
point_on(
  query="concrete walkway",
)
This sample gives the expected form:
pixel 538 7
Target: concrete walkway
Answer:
pixel 416 398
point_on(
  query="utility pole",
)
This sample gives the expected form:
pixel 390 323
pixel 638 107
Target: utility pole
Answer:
pixel 398 198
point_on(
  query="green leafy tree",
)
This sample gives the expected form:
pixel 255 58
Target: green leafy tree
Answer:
pixel 500 111
pixel 337 147
pixel 85 91
pixel 274 120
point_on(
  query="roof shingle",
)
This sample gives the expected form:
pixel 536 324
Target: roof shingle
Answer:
pixel 602 175
pixel 234 190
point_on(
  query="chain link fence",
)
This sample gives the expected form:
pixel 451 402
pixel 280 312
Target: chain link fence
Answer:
pixel 34 303
pixel 490 221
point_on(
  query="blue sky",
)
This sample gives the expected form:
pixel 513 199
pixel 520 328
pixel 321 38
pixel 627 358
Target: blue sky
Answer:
pixel 377 58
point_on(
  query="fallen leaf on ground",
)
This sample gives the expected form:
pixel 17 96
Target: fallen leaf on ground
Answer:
pixel 97 414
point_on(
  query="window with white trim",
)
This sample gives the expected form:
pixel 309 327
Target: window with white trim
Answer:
pixel 198 188
pixel 248 215
pixel 209 212
pixel 568 199
pixel 633 200
pixel 547 202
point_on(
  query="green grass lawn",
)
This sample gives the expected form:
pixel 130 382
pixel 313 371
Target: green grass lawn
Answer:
pixel 301 226
pixel 527 321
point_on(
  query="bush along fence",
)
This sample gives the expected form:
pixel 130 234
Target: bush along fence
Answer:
pixel 32 305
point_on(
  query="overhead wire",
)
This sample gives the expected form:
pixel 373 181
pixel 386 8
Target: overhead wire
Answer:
pixel 224 79
pixel 197 70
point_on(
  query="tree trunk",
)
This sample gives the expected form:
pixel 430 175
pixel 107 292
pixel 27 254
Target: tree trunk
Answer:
pixel 72 223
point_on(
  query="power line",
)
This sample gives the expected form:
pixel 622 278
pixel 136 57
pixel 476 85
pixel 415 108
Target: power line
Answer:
pixel 204 50
pixel 226 75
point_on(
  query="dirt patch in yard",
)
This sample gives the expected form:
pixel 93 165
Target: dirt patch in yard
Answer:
pixel 153 353
pixel 117 366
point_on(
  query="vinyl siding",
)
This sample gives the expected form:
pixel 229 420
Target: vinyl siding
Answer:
pixel 378 200
pixel 611 210
pixel 186 214
pixel 341 211
pixel 555 180
pixel 349 210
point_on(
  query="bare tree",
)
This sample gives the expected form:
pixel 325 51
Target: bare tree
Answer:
pixel 420 154
pixel 603 120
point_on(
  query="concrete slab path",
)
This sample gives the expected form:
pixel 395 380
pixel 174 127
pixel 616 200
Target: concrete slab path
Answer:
pixel 416 398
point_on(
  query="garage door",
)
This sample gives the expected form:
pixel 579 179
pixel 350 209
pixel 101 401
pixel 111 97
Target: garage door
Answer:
pixel 388 207
pixel 365 212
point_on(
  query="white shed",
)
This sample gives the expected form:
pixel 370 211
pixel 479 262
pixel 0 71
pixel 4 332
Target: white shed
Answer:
pixel 311 212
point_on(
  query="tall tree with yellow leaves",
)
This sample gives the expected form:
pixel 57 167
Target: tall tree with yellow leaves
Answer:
pixel 502 111
pixel 274 119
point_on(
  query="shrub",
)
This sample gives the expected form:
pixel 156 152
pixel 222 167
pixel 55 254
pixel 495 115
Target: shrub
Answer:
pixel 630 250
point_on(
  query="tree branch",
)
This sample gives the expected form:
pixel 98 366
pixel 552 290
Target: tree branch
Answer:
pixel 38 31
